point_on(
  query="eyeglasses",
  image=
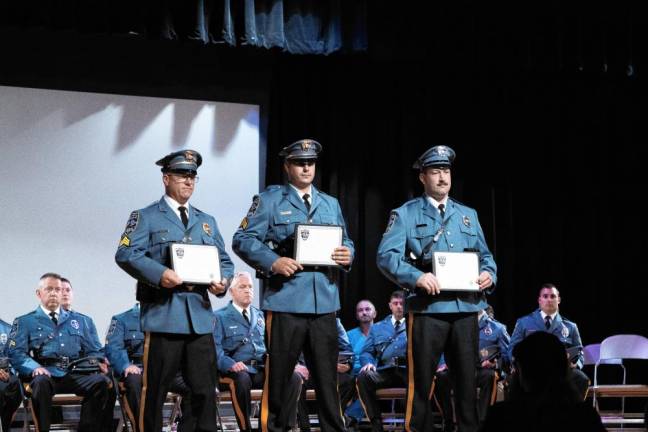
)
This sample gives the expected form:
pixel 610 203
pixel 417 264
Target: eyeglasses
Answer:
pixel 181 178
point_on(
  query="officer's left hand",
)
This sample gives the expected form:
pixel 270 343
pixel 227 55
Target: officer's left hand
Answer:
pixel 485 280
pixel 342 256
pixel 217 288
pixel 4 375
pixel 343 367
pixel 488 364
pixel 103 367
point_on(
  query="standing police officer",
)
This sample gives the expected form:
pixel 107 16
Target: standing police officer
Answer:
pixel 125 349
pixel 9 382
pixel 300 301
pixel 238 334
pixel 439 321
pixel 176 317
pixel 384 359
pixel 547 319
pixel 44 343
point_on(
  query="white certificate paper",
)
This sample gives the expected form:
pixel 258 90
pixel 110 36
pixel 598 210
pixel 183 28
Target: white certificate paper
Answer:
pixel 456 271
pixel 197 264
pixel 314 244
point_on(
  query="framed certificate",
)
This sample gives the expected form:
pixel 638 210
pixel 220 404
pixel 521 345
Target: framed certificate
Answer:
pixel 314 244
pixel 456 271
pixel 197 264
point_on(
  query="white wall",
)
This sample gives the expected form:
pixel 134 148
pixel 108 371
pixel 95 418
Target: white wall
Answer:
pixel 74 165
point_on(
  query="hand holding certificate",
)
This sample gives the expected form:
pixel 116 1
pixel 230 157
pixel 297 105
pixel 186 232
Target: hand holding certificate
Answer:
pixel 320 245
pixel 456 271
pixel 196 264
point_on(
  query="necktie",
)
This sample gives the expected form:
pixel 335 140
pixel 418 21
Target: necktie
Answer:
pixel 183 215
pixel 54 319
pixel 245 315
pixel 396 326
pixel 306 202
pixel 442 210
pixel 547 322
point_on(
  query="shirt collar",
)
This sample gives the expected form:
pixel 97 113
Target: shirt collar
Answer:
pixel 301 194
pixel 393 320
pixel 436 203
pixel 553 315
pixel 240 309
pixel 175 204
pixel 47 311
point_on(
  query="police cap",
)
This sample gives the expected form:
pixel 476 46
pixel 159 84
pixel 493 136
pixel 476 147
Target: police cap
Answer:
pixel 437 156
pixel 302 149
pixel 183 161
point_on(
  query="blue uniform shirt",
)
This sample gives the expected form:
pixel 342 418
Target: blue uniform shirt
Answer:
pixel 493 332
pixel 411 228
pixel 357 340
pixel 563 329
pixel 143 253
pixel 383 344
pixel 125 340
pixel 74 336
pixel 238 341
pixel 269 224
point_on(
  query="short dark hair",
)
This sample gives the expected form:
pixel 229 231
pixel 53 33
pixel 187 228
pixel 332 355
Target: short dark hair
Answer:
pixel 397 294
pixel 51 275
pixel 66 280
pixel 548 285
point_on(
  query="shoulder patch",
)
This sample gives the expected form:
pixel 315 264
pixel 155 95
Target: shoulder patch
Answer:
pixel 392 219
pixel 111 329
pixel 255 205
pixel 131 225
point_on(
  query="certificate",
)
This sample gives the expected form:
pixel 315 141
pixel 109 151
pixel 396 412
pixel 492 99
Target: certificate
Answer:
pixel 456 271
pixel 196 264
pixel 314 244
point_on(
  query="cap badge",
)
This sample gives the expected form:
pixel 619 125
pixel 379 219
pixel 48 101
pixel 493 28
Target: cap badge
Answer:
pixel 189 156
pixel 305 145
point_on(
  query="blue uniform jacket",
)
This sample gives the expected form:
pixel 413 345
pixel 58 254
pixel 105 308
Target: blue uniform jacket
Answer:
pixel 493 332
pixel 74 336
pixel 5 330
pixel 357 340
pixel 125 340
pixel 269 224
pixel 563 329
pixel 236 340
pixel 411 228
pixel 143 253
pixel 383 337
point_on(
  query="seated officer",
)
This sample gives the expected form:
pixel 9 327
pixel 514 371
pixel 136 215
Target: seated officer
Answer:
pixel 238 335
pixel 44 345
pixel 547 319
pixel 494 358
pixel 9 382
pixel 124 350
pixel 383 359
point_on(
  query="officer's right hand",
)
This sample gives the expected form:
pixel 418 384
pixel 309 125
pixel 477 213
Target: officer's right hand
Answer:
pixel 302 371
pixel 4 375
pixel 132 369
pixel 41 371
pixel 285 266
pixel 368 367
pixel 238 367
pixel 170 279
pixel 429 283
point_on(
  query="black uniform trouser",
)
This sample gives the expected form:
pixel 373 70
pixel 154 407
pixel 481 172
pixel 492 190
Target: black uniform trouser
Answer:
pixel 194 356
pixel 486 382
pixel 370 381
pixel 315 336
pixel 96 389
pixel 429 335
pixel 346 388
pixel 10 399
pixel 133 393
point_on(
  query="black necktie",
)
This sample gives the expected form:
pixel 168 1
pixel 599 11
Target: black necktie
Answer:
pixel 245 315
pixel 183 215
pixel 396 326
pixel 54 319
pixel 547 322
pixel 442 210
pixel 306 202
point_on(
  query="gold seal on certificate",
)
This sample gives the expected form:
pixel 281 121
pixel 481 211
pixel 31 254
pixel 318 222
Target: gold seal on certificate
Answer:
pixel 314 244
pixel 196 264
pixel 456 271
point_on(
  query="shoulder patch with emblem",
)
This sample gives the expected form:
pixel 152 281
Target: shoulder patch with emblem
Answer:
pixel 131 225
pixel 113 326
pixel 392 220
pixel 254 207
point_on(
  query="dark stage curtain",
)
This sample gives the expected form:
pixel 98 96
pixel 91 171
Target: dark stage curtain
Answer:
pixel 295 26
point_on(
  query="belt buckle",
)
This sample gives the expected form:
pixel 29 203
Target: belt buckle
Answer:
pixel 189 287
pixel 65 362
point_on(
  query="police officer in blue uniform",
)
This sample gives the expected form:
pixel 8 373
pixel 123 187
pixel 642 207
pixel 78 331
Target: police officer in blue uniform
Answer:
pixel 176 317
pixel 548 319
pixel 42 346
pixel 439 321
pixel 383 359
pixel 300 301
pixel 9 383
pixel 124 349
pixel 239 338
